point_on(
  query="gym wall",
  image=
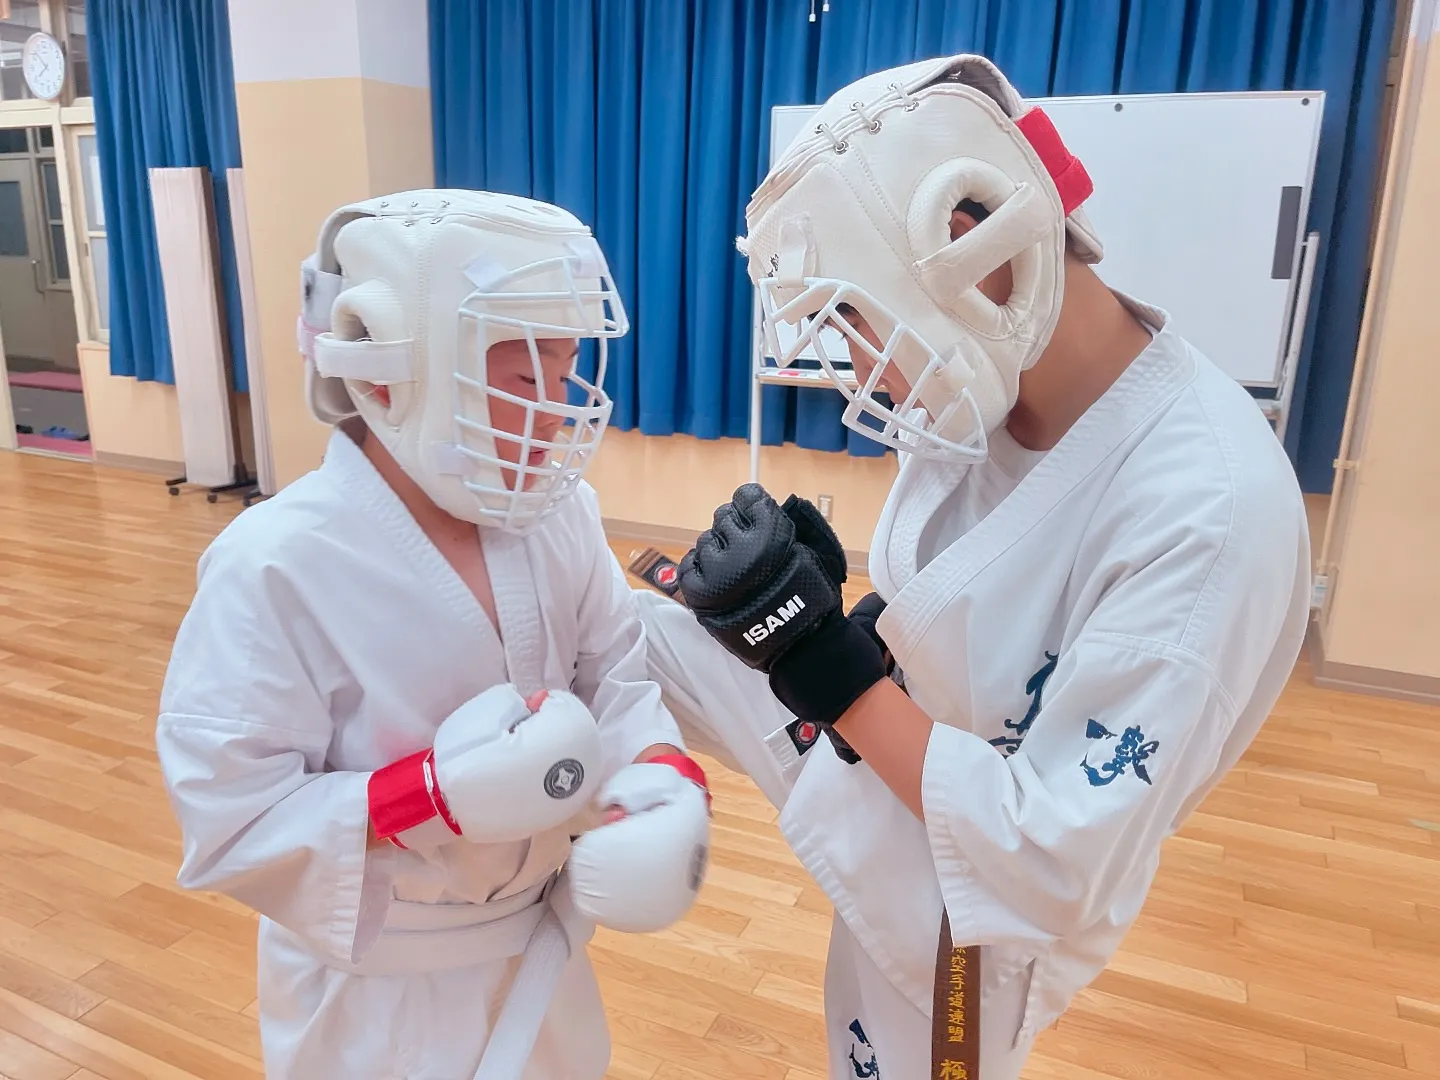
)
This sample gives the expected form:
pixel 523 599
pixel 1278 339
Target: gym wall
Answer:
pixel 334 109
pixel 1380 626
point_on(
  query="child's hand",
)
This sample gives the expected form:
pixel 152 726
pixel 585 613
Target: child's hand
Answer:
pixel 502 768
pixel 640 870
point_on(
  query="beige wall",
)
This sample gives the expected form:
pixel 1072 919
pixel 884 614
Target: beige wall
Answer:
pixel 373 138
pixel 399 151
pixel 334 111
pixel 285 129
pixel 128 418
pixel 1384 609
pixel 137 423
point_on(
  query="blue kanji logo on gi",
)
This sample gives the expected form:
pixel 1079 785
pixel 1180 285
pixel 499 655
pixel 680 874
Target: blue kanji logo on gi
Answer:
pixel 1007 745
pixel 868 1068
pixel 1131 752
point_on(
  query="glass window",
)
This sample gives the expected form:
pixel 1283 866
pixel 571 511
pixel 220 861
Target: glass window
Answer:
pixel 60 258
pixel 24 20
pixel 100 264
pixel 78 54
pixel 96 247
pixel 55 218
pixel 12 219
pixel 90 176
pixel 13 141
pixel 47 138
pixel 50 178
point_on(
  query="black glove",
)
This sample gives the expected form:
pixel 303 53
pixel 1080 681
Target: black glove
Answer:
pixel 866 612
pixel 864 615
pixel 754 584
pixel 765 581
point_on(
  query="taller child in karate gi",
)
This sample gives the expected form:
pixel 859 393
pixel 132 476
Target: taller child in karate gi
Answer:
pixel 1091 577
pixel 406 678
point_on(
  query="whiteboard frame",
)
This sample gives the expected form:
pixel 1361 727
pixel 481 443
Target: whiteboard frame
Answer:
pixel 1303 258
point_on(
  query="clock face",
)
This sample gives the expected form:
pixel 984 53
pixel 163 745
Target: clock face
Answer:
pixel 44 64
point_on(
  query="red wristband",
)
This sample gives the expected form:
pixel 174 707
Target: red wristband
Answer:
pixel 687 767
pixel 404 794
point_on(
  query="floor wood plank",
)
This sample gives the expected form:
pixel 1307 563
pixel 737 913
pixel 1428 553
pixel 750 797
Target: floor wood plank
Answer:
pixel 1293 932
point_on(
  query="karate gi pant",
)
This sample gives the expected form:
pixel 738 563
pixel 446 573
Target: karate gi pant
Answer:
pixel 726 710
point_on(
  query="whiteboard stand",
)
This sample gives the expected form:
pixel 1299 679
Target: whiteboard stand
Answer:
pixel 764 371
pixel 1278 408
pixel 756 336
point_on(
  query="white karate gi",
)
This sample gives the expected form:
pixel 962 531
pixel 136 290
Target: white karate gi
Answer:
pixel 327 638
pixel 1096 650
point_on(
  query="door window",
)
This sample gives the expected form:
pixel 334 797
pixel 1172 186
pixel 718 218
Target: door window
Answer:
pixel 12 220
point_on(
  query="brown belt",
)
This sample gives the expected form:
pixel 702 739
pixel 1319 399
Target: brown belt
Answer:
pixel 659 571
pixel 955 1019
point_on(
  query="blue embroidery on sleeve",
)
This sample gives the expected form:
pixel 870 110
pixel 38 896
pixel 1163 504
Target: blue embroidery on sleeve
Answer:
pixel 1131 752
pixel 1035 688
pixel 869 1069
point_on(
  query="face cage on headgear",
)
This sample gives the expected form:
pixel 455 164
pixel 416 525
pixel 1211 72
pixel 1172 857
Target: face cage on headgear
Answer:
pixel 583 423
pixel 909 427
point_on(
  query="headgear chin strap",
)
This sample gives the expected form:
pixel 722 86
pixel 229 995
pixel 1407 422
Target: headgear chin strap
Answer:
pixel 411 292
pixel 855 220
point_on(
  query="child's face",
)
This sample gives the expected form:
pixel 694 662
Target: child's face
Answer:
pixel 511 369
pixel 892 381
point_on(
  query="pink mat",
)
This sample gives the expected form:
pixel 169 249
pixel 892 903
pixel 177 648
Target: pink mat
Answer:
pixel 58 446
pixel 47 380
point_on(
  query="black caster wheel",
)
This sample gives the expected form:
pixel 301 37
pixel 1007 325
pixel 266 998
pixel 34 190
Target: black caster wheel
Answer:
pixel 211 497
pixel 174 491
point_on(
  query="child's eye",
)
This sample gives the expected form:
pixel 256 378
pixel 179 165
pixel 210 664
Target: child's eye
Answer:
pixel 528 380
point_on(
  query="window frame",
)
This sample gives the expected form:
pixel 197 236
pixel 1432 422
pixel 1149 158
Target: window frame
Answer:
pixel 52 263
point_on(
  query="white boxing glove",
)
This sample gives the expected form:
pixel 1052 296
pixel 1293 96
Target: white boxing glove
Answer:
pixel 641 873
pixel 497 771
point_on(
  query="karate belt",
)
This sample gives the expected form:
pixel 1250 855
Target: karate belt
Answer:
pixel 955 1015
pixel 420 938
pixel 659 571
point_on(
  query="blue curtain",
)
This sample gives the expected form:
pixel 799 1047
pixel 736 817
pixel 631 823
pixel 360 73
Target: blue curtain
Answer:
pixel 164 96
pixel 648 118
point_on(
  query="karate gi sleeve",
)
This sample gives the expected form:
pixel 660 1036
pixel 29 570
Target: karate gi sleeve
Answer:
pixel 1042 844
pixel 612 675
pixel 242 736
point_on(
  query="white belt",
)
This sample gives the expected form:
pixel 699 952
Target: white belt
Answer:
pixel 420 938
pixel 518 1025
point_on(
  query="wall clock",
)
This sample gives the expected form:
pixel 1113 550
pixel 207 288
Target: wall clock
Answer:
pixel 44 64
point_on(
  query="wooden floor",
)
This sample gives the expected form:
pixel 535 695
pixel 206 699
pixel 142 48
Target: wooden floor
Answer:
pixel 1294 930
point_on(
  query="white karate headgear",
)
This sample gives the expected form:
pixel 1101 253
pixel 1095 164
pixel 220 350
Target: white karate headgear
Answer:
pixel 409 292
pixel 857 212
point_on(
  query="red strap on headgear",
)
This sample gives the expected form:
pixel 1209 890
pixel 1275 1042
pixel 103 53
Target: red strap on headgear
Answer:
pixel 1071 180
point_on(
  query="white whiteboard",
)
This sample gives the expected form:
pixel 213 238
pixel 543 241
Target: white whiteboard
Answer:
pixel 1188 203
